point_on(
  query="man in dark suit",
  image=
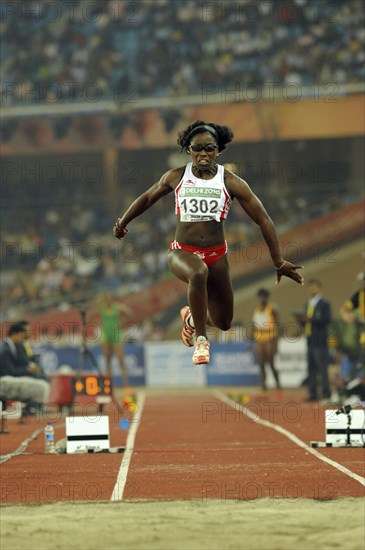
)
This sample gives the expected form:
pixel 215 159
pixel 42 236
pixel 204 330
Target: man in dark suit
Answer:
pixel 17 379
pixel 316 320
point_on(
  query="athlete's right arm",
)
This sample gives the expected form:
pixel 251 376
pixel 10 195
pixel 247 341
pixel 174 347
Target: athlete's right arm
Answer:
pixel 165 185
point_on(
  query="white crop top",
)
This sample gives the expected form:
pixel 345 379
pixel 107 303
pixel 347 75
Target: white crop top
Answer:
pixel 198 200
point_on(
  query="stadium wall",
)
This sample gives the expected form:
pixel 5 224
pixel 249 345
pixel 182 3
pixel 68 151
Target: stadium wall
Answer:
pixel 291 118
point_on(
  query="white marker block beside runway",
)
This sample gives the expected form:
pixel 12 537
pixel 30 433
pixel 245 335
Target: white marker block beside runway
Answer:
pixel 87 431
pixel 341 427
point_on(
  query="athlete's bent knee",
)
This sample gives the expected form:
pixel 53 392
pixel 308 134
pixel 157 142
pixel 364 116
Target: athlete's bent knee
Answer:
pixel 199 278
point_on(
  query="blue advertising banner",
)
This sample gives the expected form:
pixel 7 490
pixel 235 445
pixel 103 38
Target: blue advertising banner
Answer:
pixel 52 358
pixel 232 364
pixel 164 364
pixel 168 364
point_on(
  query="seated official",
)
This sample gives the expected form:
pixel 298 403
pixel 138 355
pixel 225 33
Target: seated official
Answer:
pixel 25 355
pixel 17 379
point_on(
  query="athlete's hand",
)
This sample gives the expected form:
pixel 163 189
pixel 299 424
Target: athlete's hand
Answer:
pixel 118 231
pixel 289 270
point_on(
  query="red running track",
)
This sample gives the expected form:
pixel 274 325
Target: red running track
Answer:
pixel 199 447
pixel 191 447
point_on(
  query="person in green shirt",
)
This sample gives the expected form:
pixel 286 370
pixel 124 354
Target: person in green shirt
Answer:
pixel 110 312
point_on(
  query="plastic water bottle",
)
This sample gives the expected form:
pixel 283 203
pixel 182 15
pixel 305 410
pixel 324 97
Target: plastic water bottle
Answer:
pixel 49 446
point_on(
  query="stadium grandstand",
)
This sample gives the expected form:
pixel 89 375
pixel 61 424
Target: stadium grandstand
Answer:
pixel 103 55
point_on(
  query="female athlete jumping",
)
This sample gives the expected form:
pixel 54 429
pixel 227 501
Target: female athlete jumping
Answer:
pixel 204 191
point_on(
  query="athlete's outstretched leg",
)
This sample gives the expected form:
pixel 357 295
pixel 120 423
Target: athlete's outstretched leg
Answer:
pixel 193 271
pixel 220 295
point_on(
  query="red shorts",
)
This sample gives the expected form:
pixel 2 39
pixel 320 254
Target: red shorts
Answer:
pixel 209 255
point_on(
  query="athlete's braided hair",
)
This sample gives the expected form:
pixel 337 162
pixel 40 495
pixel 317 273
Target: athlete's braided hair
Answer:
pixel 222 134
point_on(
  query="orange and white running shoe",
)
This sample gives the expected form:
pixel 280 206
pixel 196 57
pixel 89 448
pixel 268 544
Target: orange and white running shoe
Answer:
pixel 188 332
pixel 201 354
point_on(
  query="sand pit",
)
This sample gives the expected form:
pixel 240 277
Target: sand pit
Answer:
pixel 187 525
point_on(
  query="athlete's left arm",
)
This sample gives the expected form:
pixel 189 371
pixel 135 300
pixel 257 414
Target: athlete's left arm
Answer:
pixel 257 212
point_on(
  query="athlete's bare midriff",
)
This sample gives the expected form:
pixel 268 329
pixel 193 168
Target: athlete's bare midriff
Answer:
pixel 203 234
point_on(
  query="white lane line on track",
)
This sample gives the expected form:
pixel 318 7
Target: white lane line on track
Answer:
pixel 119 486
pixel 23 446
pixel 290 436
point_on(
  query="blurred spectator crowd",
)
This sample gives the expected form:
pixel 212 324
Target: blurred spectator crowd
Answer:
pixel 76 49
